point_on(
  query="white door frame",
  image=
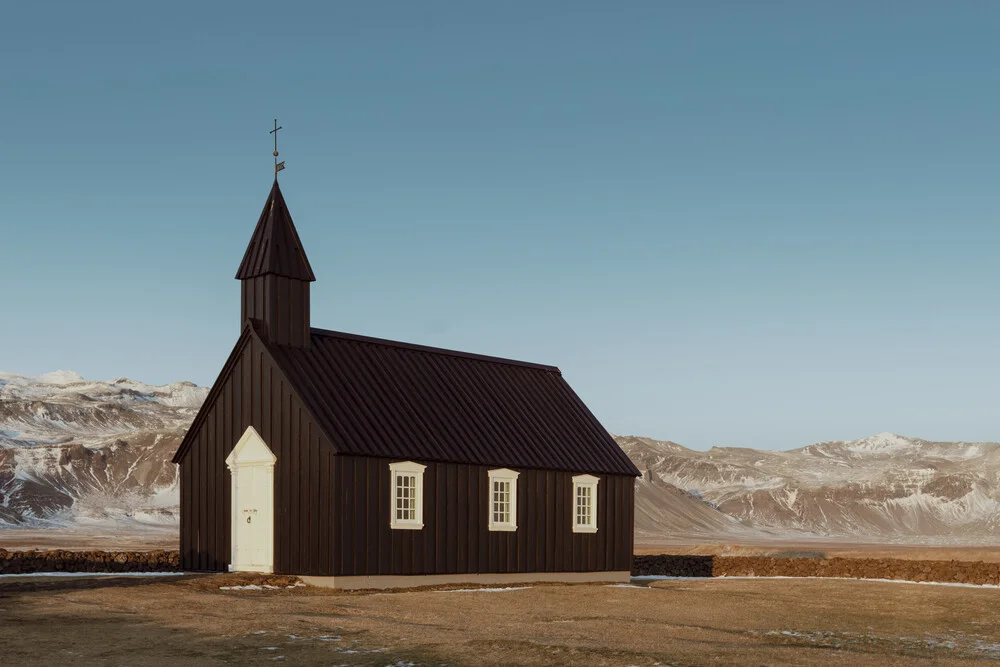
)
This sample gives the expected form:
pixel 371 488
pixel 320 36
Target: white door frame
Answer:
pixel 252 452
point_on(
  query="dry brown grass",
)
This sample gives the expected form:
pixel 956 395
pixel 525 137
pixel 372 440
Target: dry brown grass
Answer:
pixel 802 622
pixel 86 539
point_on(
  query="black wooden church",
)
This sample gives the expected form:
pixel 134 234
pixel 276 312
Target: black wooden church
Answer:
pixel 371 463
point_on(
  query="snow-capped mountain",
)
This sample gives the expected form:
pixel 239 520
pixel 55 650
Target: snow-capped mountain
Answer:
pixel 80 451
pixel 884 488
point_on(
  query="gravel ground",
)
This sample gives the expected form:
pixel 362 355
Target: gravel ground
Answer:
pixel 191 620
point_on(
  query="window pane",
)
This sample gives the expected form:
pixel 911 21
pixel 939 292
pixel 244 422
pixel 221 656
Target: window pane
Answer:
pixel 405 494
pixel 585 506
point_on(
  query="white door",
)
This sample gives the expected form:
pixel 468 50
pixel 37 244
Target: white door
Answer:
pixel 254 520
pixel 251 465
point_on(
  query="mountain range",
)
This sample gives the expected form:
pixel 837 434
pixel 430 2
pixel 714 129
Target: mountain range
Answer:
pixel 74 451
pixel 77 452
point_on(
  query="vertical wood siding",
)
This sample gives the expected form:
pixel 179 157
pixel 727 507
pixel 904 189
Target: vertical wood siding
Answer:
pixel 455 537
pixel 280 304
pixel 255 395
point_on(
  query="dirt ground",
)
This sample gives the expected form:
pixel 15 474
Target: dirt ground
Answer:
pixel 189 620
pixel 818 549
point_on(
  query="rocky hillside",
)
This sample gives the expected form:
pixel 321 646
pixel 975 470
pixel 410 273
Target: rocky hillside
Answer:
pixel 75 452
pixel 78 451
pixel 884 488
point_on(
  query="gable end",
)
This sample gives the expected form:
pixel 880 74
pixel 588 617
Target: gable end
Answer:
pixel 213 394
pixel 250 336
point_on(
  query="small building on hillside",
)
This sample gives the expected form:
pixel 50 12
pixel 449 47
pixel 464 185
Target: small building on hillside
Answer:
pixel 375 463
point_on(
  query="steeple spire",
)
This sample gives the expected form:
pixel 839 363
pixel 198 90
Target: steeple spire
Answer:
pixel 275 246
pixel 275 276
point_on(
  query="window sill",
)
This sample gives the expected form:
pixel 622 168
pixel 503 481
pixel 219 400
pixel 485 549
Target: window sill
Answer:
pixel 503 528
pixel 584 529
pixel 406 526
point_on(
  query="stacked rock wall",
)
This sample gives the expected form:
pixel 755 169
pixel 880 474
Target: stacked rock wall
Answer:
pixel 951 571
pixel 26 562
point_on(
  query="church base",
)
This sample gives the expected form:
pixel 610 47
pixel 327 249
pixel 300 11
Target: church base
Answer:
pixel 384 581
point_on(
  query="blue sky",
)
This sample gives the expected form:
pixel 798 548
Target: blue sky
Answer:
pixel 760 224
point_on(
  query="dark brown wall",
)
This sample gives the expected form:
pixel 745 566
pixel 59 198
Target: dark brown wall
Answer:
pixel 255 394
pixel 455 537
pixel 332 513
pixel 280 304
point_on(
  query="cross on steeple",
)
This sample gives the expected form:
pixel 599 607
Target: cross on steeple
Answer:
pixel 278 166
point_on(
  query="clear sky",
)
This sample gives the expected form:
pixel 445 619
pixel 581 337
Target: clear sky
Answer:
pixel 729 223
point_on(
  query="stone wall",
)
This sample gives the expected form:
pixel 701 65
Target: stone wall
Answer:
pixel 953 571
pixel 966 572
pixel 26 562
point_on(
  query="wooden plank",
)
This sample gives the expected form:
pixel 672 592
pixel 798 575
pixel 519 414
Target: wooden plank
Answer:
pixel 608 515
pixel 538 515
pixel 475 518
pixel 297 455
pixel 482 519
pixel 525 546
pixel 451 511
pixel 440 520
pixel 185 518
pixel 512 550
pixel 629 484
pixel 336 526
pixel 418 547
pixel 211 488
pixel 430 524
pixel 615 529
pixel 259 295
pixel 463 528
pixel 372 521
pixel 347 514
pixel 297 332
pixel 324 516
pixel 390 541
pixel 202 499
pixel 309 498
pixel 287 434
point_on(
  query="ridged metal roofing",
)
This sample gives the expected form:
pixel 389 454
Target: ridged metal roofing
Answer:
pixel 375 397
pixel 275 246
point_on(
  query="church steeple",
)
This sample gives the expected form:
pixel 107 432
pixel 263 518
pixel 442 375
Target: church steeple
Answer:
pixel 275 276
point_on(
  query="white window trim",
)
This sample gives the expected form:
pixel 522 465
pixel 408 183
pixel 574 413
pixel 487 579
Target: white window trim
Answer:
pixel 407 468
pixel 586 481
pixel 503 475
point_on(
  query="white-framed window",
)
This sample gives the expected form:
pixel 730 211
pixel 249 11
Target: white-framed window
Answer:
pixel 407 500
pixel 503 499
pixel 585 504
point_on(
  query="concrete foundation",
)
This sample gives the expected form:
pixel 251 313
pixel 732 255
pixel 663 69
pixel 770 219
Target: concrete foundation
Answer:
pixel 411 581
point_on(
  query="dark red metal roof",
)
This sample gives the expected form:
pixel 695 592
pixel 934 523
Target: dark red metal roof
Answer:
pixel 275 246
pixel 382 398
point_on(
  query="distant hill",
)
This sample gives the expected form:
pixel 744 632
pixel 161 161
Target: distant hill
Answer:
pixel 76 452
pixel 884 488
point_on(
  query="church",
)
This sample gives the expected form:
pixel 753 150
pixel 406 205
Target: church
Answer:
pixel 357 462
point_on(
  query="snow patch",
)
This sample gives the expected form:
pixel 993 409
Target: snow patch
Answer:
pixel 59 377
pixel 882 443
pixel 485 590
pixel 657 577
pixel 92 574
pixel 259 587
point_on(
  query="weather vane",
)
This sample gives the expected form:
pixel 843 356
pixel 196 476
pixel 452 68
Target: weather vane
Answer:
pixel 278 166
